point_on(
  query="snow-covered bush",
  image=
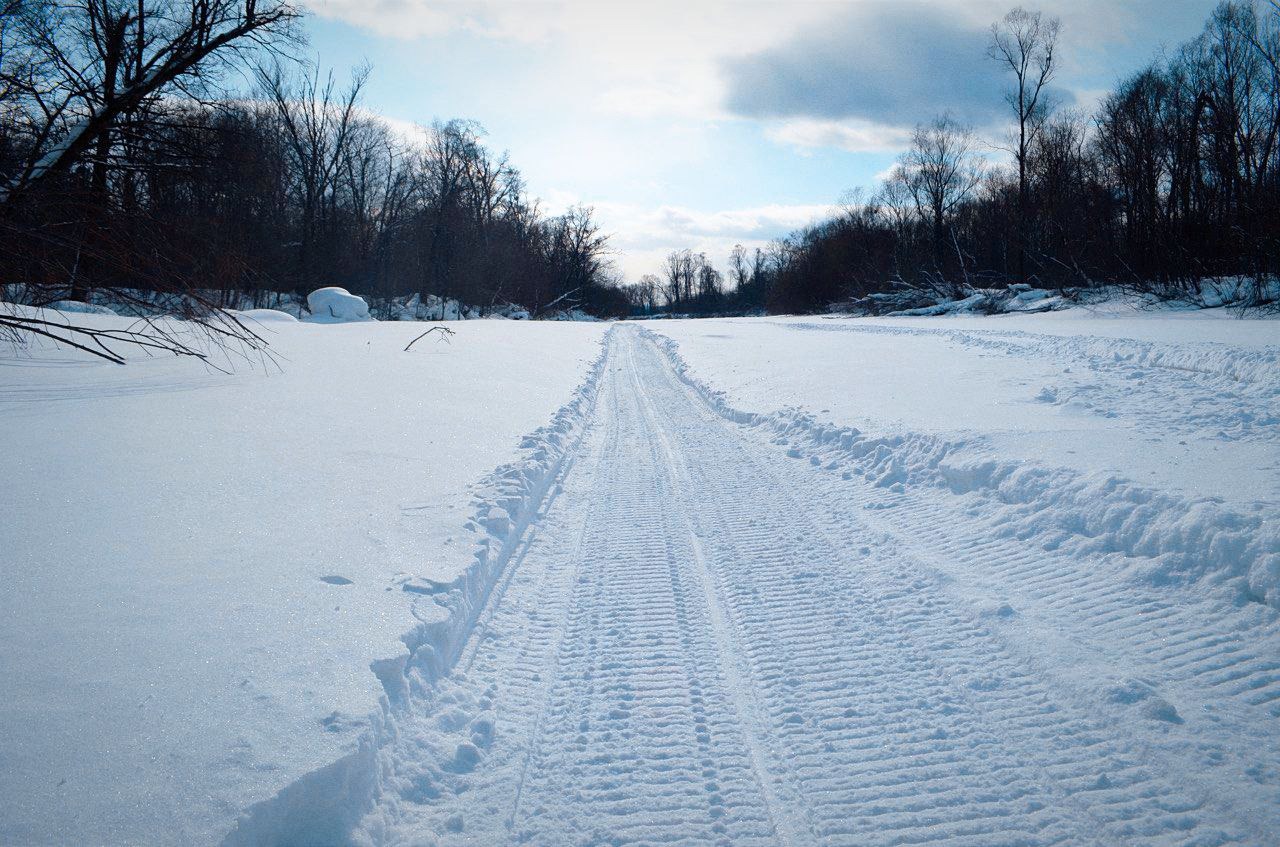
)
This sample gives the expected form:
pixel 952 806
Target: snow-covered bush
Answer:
pixel 336 305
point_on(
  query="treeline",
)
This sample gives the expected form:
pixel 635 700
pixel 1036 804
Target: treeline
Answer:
pixel 691 284
pixel 127 164
pixel 1175 178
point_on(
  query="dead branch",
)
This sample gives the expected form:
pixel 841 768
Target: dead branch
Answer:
pixel 445 334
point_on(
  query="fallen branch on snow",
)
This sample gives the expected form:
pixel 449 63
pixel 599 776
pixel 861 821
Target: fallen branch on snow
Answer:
pixel 444 331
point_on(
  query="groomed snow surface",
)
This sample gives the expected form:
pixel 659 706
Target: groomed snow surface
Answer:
pixel 954 580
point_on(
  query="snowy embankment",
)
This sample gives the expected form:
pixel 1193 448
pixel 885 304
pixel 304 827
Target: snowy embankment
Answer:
pixel 199 569
pixel 1022 299
pixel 275 305
pixel 1153 437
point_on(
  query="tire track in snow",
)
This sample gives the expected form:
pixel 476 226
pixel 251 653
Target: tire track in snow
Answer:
pixel 708 642
pixel 654 747
pixel 1142 647
pixel 1134 627
pixel 514 650
pixel 818 651
pixel 730 654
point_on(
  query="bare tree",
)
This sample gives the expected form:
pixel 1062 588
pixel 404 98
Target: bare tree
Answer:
pixel 647 293
pixel 739 272
pixel 90 63
pixel 942 170
pixel 1061 173
pixel 576 256
pixel 89 85
pixel 1025 42
pixel 896 203
pixel 680 273
pixel 1173 179
pixel 318 125
pixel 709 283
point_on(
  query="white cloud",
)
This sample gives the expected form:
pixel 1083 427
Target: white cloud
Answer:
pixel 643 57
pixel 408 132
pixel 643 236
pixel 635 59
pixel 391 19
pixel 667 59
pixel 629 100
pixel 421 18
pixel 853 136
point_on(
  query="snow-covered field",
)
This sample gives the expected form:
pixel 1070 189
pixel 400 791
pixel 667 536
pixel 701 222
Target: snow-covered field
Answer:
pixel 197 569
pixel 1186 401
pixel 754 581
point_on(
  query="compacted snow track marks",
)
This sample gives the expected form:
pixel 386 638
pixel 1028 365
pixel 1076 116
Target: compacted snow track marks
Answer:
pixel 707 643
pixel 1153 656
pixel 902 718
pixel 640 730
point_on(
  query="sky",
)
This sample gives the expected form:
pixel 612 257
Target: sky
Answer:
pixel 702 124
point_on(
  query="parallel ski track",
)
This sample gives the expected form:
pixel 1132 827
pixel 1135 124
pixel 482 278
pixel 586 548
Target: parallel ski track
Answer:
pixel 708 642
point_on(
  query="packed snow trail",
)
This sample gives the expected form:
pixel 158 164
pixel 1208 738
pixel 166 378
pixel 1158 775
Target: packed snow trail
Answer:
pixel 705 641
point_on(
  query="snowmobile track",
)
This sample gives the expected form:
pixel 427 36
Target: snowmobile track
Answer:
pixel 706 641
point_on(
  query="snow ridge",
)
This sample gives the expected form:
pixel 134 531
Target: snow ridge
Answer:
pixel 325 805
pixel 1158 538
pixel 505 504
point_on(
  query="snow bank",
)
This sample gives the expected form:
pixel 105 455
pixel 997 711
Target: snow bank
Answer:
pixel 985 301
pixel 400 308
pixel 570 315
pixel 1159 537
pixel 1017 298
pixel 336 305
pixel 429 308
pixel 265 315
pixel 1021 298
pixel 504 504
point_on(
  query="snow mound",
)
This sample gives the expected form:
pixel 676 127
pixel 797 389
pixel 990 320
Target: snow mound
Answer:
pixel 336 305
pixel 511 312
pixel 266 315
pixel 571 315
pixel 1021 298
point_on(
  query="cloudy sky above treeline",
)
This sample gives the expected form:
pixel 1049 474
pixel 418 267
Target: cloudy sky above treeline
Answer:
pixel 704 123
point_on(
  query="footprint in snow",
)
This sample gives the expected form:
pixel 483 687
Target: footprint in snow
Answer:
pixel 333 579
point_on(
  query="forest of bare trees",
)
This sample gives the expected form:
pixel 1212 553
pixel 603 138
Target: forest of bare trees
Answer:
pixel 1173 179
pixel 182 146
